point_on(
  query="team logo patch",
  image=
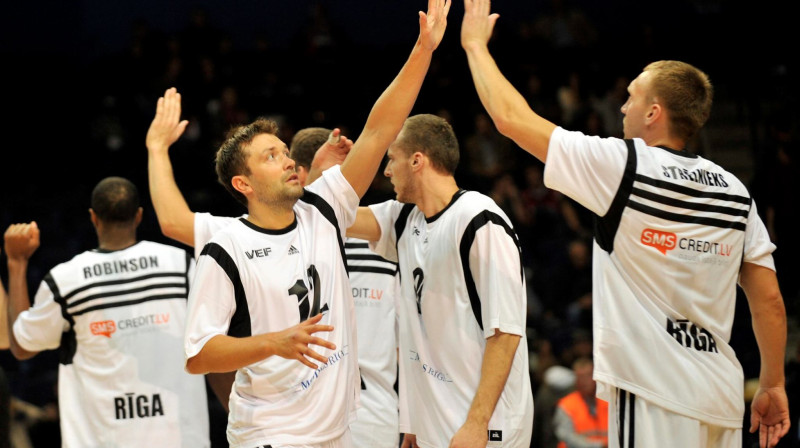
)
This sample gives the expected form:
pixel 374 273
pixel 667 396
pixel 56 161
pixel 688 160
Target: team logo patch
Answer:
pixel 495 435
pixel 661 241
pixel 103 328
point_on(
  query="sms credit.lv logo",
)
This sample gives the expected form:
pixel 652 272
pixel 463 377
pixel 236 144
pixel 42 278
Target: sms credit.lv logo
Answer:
pixel 662 241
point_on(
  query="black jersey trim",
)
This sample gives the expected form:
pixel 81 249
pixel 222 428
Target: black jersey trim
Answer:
pixel 130 302
pixel 399 227
pixel 677 152
pixel 320 204
pixel 188 258
pixel 676 217
pixel 240 325
pixel 282 231
pixel 480 220
pixel 632 422
pixel 69 341
pixel 605 227
pixel 111 251
pixel 691 191
pixel 373 270
pixel 453 200
pixel 655 197
pixel 621 417
pixel 356 245
pixel 123 292
pixel 373 257
pixel 122 282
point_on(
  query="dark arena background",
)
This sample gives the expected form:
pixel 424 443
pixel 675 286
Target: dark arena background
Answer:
pixel 80 80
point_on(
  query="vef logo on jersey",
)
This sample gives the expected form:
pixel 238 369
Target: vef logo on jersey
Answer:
pixel 103 328
pixel 662 241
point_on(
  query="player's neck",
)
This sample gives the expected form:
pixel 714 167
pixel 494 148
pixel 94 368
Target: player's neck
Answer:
pixel 664 139
pixel 274 217
pixel 437 192
pixel 112 239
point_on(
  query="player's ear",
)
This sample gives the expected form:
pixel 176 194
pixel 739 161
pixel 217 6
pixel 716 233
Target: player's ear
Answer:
pixel 417 160
pixel 241 184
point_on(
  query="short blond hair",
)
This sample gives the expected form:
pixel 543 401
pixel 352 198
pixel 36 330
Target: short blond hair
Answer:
pixel 685 91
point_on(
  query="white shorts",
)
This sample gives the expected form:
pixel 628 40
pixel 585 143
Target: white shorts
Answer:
pixel 636 423
pixel 343 441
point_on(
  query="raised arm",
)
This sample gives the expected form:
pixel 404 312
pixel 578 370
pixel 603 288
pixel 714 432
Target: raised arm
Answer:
pixel 332 152
pixel 510 112
pixel 392 108
pixel 21 241
pixel 770 406
pixel 365 226
pixel 174 215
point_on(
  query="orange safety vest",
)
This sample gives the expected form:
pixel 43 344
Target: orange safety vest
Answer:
pixel 594 428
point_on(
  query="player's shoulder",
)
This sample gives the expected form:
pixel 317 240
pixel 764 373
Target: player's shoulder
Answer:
pixel 473 204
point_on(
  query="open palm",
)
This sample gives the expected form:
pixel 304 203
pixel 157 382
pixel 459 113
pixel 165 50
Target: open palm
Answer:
pixel 433 23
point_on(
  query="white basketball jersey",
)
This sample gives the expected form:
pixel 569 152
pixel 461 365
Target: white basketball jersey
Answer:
pixel 252 281
pixel 373 281
pixel 118 320
pixel 672 233
pixel 461 279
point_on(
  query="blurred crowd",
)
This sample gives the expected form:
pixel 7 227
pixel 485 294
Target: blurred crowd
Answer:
pixel 573 69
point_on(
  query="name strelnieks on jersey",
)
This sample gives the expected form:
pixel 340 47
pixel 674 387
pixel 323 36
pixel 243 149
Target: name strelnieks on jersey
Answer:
pixel 120 266
pixel 133 406
pixel 691 336
pixel 699 175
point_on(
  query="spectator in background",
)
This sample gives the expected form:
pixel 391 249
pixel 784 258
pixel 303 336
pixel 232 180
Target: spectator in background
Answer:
pixel 581 419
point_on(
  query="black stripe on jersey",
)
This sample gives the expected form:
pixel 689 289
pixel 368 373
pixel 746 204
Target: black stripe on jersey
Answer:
pixel 123 281
pixel 356 245
pixel 691 191
pixel 621 417
pixel 240 321
pixel 605 227
pixel 373 269
pixel 373 257
pixel 632 422
pixel 686 218
pixel 69 343
pixel 483 218
pixel 450 204
pixel 123 292
pixel 130 302
pixel 400 226
pixel 186 276
pixel 655 197
pixel 327 211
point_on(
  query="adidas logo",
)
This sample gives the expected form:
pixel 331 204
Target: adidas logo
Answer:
pixel 293 250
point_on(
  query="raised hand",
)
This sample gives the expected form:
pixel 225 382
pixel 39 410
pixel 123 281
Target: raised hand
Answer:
pixel 769 414
pixel 21 241
pixel 167 126
pixel 477 26
pixel 294 342
pixel 433 23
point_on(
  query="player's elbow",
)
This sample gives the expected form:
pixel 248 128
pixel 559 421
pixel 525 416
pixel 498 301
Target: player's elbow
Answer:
pixel 19 352
pixel 194 365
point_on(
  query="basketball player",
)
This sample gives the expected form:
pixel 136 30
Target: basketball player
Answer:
pixel 674 233
pixel 271 293
pixel 117 314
